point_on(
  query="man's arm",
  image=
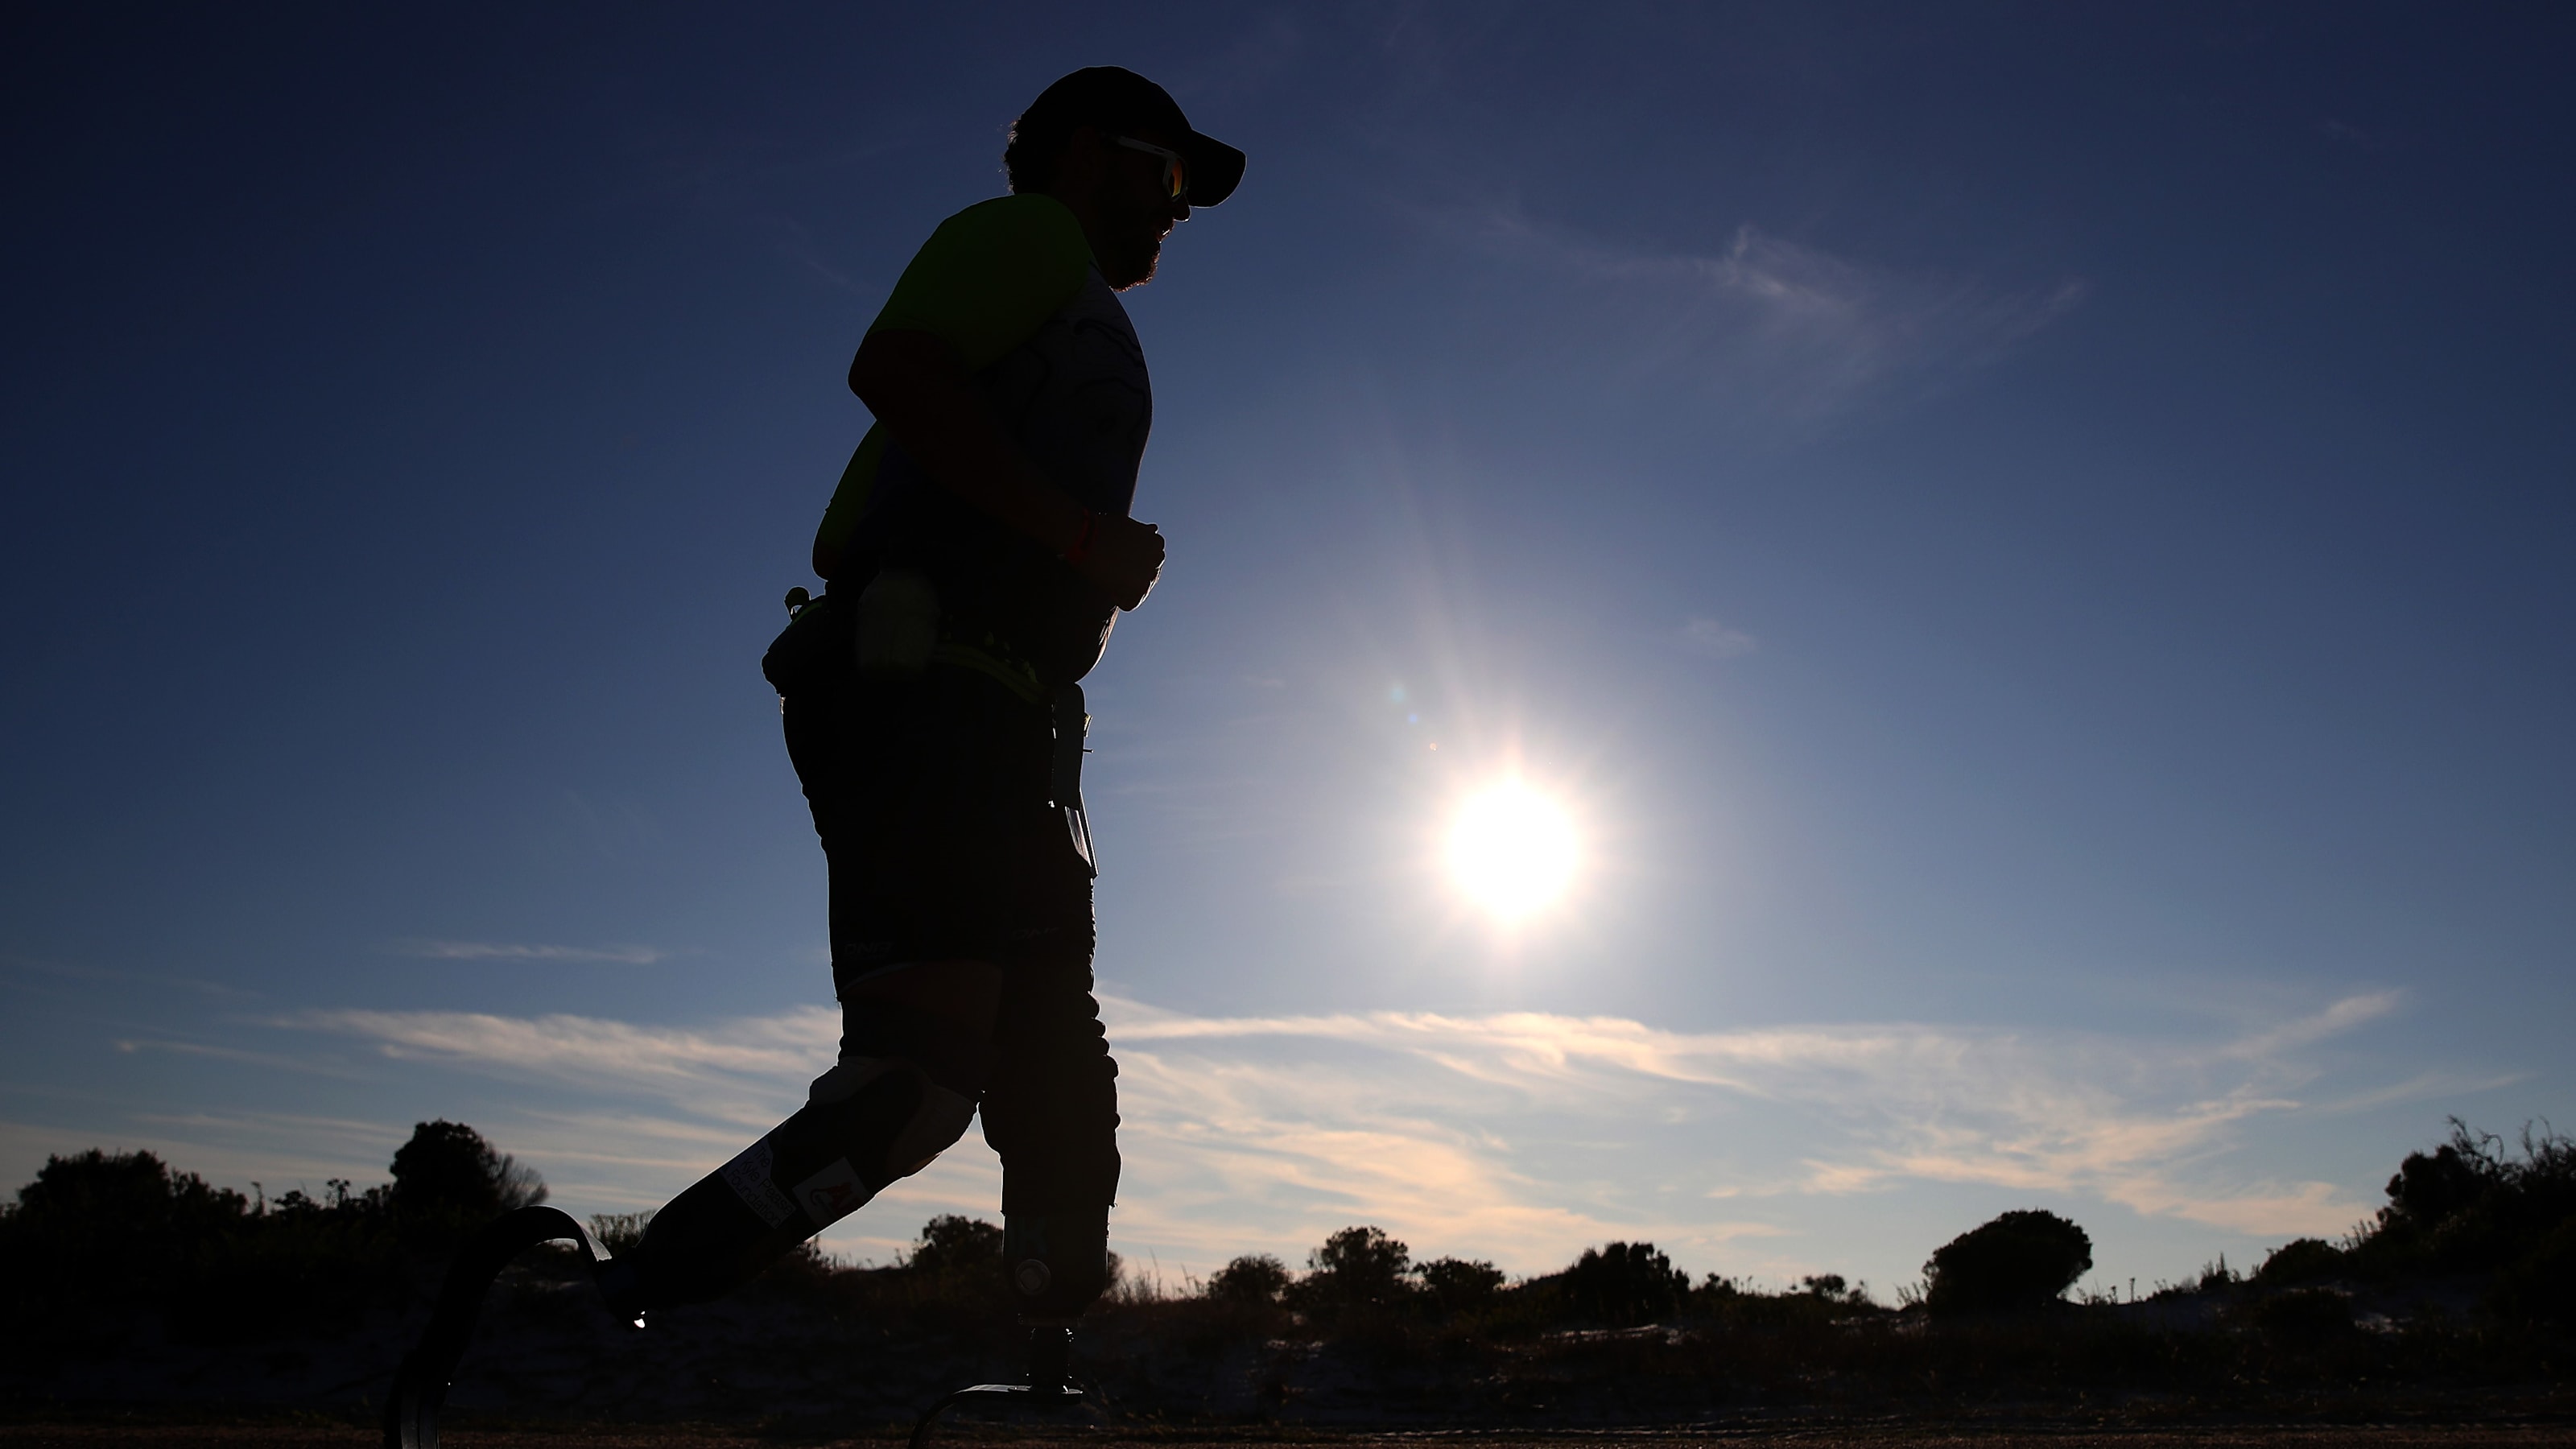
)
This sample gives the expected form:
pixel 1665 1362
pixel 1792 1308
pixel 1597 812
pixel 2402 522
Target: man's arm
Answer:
pixel 922 395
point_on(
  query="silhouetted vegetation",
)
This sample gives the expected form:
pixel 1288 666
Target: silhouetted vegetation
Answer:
pixel 101 1237
pixel 2468 1208
pixel 2301 1260
pixel 2020 1261
pixel 1255 1278
pixel 448 1175
pixel 1461 1285
pixel 1618 1285
pixel 2461 1283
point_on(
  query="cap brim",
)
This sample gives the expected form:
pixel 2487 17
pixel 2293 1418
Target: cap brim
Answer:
pixel 1215 169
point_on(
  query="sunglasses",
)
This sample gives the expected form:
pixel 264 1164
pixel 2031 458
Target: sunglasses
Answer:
pixel 1176 171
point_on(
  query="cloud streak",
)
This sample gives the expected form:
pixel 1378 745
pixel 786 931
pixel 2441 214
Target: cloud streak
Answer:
pixel 730 1072
pixel 508 951
pixel 1518 1136
pixel 1791 329
pixel 1711 639
pixel 2116 1120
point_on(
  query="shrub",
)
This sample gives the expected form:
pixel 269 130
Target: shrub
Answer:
pixel 955 1246
pixel 1834 1288
pixel 115 1225
pixel 2301 1260
pixel 127 1197
pixel 447 1174
pixel 1253 1278
pixel 100 1237
pixel 1461 1285
pixel 2468 1206
pixel 2021 1260
pixel 1357 1266
pixel 1623 1284
pixel 2304 1315
pixel 1715 1289
pixel 2541 1286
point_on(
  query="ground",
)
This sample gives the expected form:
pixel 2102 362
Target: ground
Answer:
pixel 1817 1434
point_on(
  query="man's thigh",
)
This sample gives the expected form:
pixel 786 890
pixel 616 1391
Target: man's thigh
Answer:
pixel 931 800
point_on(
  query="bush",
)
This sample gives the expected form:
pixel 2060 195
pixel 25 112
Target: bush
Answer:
pixel 958 1247
pixel 1356 1267
pixel 2469 1206
pixel 2430 1187
pixel 1714 1290
pixel 448 1176
pixel 2020 1261
pixel 99 1238
pixel 115 1225
pixel 2301 1260
pixel 1461 1285
pixel 1253 1278
pixel 2541 1286
pixel 129 1198
pixel 2304 1315
pixel 1624 1284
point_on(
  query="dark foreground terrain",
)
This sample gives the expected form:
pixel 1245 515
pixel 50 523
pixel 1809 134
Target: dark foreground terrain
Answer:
pixel 1817 1435
pixel 138 1305
pixel 828 1352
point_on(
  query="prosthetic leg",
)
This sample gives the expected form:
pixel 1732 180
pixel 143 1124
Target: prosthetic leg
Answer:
pixel 420 1384
pixel 1058 1264
pixel 907 1084
pixel 1051 1115
pixel 904 1090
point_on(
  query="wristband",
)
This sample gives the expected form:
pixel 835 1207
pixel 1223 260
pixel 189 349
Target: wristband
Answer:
pixel 1081 548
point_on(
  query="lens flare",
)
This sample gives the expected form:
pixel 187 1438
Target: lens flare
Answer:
pixel 1512 850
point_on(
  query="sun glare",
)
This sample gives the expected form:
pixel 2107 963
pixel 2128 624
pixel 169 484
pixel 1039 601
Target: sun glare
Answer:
pixel 1512 850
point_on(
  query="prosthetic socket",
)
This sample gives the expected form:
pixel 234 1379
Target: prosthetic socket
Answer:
pixel 904 1090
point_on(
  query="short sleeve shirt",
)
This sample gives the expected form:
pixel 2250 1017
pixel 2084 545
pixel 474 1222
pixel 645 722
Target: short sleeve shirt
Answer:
pixel 1010 286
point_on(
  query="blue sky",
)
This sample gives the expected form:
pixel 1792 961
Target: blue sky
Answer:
pixel 2031 540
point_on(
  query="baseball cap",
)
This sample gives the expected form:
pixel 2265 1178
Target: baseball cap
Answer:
pixel 1115 98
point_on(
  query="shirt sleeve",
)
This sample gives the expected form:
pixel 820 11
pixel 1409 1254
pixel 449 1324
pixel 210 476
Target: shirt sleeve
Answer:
pixel 991 276
pixel 986 281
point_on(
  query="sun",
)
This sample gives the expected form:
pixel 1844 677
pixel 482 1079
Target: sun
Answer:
pixel 1513 850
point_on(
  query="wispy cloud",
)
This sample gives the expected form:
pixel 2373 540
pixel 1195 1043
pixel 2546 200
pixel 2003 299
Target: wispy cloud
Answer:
pixel 275 1060
pixel 1517 1136
pixel 2343 1016
pixel 730 1072
pixel 510 951
pixel 2128 1123
pixel 1790 328
pixel 1710 639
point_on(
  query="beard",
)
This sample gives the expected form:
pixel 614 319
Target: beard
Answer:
pixel 1130 261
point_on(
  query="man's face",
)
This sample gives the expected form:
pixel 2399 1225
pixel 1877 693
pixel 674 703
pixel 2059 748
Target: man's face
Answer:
pixel 1135 211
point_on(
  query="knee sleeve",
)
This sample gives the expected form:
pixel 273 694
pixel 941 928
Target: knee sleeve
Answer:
pixel 868 1121
pixel 1058 1262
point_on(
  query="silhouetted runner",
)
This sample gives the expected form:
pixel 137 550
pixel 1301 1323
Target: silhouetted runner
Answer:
pixel 976 552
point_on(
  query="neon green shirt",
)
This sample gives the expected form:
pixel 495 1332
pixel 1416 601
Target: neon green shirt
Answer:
pixel 984 283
